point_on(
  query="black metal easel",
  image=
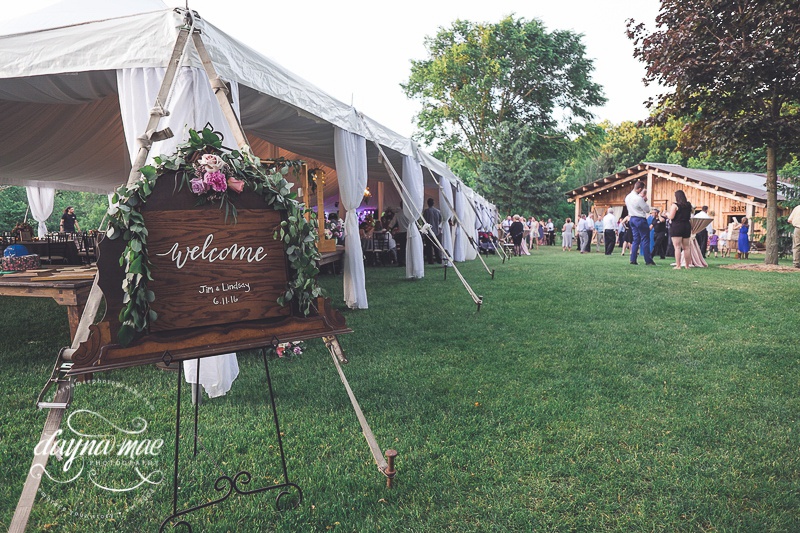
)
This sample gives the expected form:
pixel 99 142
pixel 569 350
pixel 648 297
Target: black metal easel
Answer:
pixel 224 483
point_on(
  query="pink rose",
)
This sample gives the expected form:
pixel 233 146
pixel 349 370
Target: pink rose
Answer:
pixel 216 181
pixel 199 186
pixel 297 350
pixel 235 185
pixel 212 162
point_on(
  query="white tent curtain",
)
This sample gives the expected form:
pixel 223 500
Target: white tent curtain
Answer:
pixel 350 152
pixel 445 201
pixel 470 224
pixel 412 209
pixel 460 243
pixel 192 105
pixel 40 200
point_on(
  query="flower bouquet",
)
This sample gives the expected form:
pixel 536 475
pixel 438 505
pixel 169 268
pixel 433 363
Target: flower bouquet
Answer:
pixel 289 349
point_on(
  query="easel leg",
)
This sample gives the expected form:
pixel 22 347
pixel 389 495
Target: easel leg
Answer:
pixel 225 485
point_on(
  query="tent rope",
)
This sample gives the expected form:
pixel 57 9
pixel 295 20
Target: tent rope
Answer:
pixel 470 239
pixel 406 197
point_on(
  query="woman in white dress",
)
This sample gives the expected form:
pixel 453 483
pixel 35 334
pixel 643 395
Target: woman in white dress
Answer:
pixel 533 238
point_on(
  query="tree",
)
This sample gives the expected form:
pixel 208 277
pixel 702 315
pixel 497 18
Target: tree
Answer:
pixel 515 178
pixel 731 67
pixel 479 76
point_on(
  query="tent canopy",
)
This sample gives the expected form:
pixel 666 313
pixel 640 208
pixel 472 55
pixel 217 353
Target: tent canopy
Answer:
pixel 59 96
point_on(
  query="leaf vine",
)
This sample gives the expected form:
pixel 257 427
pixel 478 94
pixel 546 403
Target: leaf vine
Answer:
pixel 244 171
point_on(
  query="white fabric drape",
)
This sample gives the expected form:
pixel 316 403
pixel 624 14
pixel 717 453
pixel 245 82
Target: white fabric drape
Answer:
pixel 445 201
pixel 217 373
pixel 470 253
pixel 350 152
pixel 191 106
pixel 460 243
pixel 412 208
pixel 40 200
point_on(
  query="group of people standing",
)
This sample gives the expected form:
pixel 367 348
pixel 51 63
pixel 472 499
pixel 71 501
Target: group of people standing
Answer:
pixel 528 234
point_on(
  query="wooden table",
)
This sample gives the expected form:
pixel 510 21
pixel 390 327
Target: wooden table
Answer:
pixel 68 250
pixel 331 258
pixel 68 286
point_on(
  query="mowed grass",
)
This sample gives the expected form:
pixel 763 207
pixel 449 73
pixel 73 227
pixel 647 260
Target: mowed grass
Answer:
pixel 586 395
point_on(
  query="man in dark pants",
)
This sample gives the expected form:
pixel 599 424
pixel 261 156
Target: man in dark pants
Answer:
pixel 636 202
pixel 702 236
pixel 434 218
pixel 659 235
pixel 610 230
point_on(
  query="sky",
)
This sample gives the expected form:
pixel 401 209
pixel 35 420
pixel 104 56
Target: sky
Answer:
pixel 360 51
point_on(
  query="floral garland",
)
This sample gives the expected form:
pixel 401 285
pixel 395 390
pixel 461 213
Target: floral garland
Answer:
pixel 213 176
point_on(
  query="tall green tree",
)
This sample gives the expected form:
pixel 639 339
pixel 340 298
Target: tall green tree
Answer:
pixel 480 75
pixel 515 177
pixel 731 67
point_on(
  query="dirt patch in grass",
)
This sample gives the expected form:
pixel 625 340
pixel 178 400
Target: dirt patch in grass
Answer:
pixel 761 267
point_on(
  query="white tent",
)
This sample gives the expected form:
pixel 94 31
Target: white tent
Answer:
pixel 78 79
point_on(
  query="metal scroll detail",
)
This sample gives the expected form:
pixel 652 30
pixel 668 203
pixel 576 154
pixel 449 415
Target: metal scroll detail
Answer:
pixel 289 495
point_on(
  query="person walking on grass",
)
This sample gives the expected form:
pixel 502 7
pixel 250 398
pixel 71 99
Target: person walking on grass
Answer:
pixel 743 244
pixel 566 235
pixel 680 231
pixel 636 202
pixel 609 230
pixel 517 230
pixel 713 243
pixel 794 220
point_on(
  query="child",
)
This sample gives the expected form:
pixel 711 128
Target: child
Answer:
pixel 713 243
pixel 723 241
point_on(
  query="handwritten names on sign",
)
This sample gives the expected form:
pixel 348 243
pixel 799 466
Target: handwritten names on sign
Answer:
pixel 208 272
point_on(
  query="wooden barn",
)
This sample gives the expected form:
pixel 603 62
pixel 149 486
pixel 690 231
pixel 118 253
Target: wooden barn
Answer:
pixel 727 194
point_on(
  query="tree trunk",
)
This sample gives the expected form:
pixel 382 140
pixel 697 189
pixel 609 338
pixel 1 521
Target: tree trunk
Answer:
pixel 771 255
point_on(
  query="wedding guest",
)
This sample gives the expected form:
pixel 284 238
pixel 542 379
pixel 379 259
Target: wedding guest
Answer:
pixel 609 230
pixel 566 235
pixel 636 202
pixel 713 243
pixel 702 236
pixel 680 213
pixel 517 230
pixel 551 232
pixel 533 238
pixel 794 220
pixel 743 244
pixel 659 227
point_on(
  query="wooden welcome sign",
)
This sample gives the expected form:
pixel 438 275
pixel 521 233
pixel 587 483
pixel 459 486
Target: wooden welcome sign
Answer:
pixel 216 285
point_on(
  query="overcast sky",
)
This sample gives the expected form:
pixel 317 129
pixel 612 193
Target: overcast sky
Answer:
pixel 360 51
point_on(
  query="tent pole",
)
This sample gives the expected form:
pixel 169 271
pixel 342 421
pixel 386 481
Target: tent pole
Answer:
pixel 405 196
pixel 221 91
pixel 63 394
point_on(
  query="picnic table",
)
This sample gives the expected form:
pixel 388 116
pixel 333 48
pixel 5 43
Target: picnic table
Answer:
pixel 68 286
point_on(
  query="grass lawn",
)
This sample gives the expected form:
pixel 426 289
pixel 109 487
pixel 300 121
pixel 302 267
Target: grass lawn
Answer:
pixel 586 395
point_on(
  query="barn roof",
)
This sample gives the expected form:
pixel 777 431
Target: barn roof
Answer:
pixel 747 184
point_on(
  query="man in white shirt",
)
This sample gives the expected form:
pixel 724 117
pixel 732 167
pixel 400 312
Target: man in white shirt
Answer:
pixel 638 210
pixel 583 237
pixel 609 230
pixel 794 220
